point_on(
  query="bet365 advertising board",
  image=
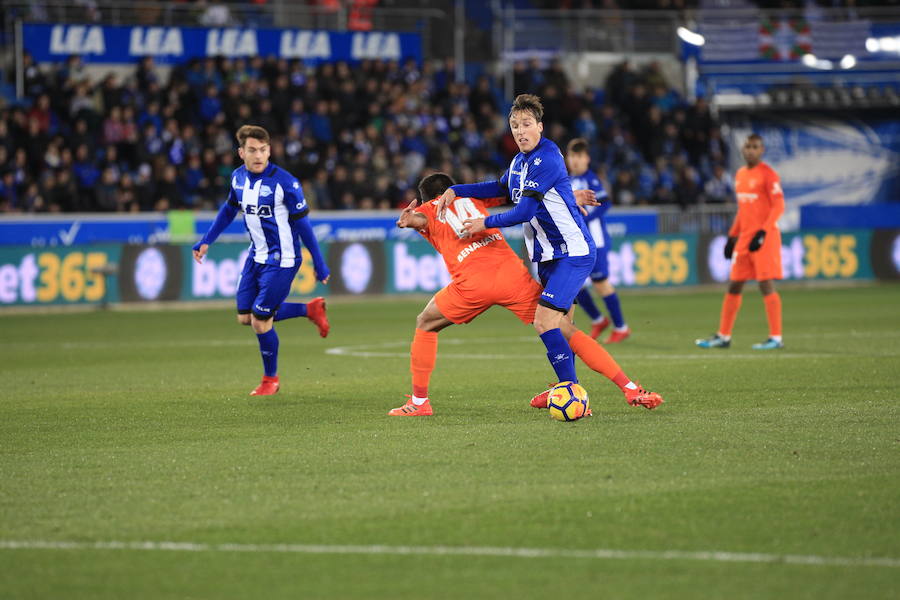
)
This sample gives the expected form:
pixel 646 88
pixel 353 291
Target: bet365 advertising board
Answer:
pixel 94 274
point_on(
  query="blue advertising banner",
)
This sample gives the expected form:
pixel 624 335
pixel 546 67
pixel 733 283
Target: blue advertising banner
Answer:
pixel 173 45
pixel 827 161
pixel 59 230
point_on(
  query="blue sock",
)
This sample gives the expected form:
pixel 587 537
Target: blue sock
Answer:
pixel 587 303
pixel 289 310
pixel 268 347
pixel 615 311
pixel 561 357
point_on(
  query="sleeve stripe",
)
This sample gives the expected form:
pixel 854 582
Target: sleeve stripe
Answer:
pixel 299 215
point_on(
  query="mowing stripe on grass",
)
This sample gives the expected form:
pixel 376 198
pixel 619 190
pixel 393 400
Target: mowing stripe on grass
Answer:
pixel 602 553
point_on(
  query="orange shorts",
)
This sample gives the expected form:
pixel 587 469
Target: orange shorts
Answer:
pixel 462 301
pixel 761 265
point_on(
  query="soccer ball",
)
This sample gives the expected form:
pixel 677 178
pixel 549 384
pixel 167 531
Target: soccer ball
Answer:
pixel 568 401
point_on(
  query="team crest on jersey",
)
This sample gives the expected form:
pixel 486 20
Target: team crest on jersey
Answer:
pixel 296 185
pixel 537 161
pixel 265 191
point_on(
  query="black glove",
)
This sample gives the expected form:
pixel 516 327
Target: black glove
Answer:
pixel 758 238
pixel 729 246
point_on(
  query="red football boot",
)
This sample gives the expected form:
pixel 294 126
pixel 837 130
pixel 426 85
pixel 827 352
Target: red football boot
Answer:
pixel 618 336
pixel 411 410
pixel 641 397
pixel 540 401
pixel 599 327
pixel 267 387
pixel 315 312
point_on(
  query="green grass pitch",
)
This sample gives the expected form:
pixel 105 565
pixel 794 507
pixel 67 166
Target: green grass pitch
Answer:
pixel 135 426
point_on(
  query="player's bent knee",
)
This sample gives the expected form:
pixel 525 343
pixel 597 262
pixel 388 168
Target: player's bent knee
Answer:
pixel 547 316
pixel 243 319
pixel 261 323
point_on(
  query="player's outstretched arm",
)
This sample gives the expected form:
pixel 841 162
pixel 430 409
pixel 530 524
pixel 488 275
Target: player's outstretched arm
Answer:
pixel 308 237
pixel 524 211
pixel 410 218
pixel 226 215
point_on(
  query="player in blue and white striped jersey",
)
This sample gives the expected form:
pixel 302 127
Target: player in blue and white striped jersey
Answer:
pixel 578 159
pixel 555 232
pixel 275 215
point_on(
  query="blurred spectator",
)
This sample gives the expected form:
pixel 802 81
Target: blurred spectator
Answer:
pixel 719 188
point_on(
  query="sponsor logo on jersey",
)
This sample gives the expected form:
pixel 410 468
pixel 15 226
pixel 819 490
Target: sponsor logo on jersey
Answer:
pixel 263 211
pixel 490 239
pixel 531 184
pixel 265 191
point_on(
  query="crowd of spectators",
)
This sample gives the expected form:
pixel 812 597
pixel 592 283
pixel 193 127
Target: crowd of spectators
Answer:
pixel 358 137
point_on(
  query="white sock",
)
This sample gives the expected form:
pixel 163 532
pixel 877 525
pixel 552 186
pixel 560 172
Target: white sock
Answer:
pixel 599 319
pixel 631 385
pixel 419 401
pixel 622 328
pixel 727 338
pixel 777 338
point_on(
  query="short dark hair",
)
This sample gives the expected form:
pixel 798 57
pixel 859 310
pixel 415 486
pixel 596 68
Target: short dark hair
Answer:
pixel 757 137
pixel 251 131
pixel 434 185
pixel 578 146
pixel 529 103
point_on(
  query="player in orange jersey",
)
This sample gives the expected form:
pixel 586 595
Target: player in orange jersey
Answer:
pixel 484 272
pixel 755 243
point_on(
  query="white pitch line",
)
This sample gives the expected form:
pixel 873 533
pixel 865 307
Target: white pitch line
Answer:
pixel 360 351
pixel 600 553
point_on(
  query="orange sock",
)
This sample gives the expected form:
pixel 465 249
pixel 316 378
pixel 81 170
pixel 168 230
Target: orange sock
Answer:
pixel 730 307
pixel 595 356
pixel 422 356
pixel 773 313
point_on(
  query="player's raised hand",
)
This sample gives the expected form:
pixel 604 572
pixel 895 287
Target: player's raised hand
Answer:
pixel 473 226
pixel 200 251
pixel 444 201
pixel 585 198
pixel 405 218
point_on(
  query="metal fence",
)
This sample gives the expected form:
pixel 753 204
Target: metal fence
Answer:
pixel 704 218
pixel 578 31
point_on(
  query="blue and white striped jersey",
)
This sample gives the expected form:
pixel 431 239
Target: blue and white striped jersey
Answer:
pixel 270 201
pixel 557 229
pixel 596 217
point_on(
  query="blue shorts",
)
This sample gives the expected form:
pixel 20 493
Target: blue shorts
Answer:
pixel 262 288
pixel 601 266
pixel 562 279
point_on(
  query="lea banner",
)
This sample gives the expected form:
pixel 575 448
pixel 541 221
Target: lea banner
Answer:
pixel 175 45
